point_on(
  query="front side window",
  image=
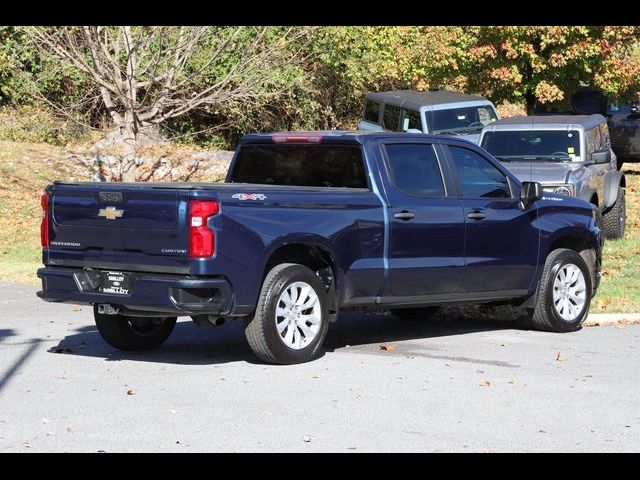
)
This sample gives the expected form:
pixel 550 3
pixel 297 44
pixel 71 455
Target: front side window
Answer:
pixel 460 121
pixel 415 169
pixel 372 111
pixel 591 138
pixel 478 177
pixel 604 131
pixel 391 118
pixel 533 145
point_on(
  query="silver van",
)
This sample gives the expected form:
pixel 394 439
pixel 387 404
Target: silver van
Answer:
pixel 434 112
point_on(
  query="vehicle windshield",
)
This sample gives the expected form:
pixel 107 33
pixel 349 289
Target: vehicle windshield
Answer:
pixel 460 121
pixel 532 145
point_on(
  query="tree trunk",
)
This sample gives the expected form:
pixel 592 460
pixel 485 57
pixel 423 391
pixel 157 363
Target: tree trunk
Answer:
pixel 531 100
pixel 128 134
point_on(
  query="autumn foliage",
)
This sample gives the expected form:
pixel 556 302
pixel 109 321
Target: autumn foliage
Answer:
pixel 329 69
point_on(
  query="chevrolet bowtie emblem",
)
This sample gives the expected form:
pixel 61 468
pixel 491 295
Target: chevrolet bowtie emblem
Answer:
pixel 110 213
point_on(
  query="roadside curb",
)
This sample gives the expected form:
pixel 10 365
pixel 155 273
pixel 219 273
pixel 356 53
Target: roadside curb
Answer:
pixel 607 319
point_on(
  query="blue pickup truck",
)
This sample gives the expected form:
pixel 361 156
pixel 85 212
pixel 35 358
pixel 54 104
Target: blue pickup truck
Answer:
pixel 311 224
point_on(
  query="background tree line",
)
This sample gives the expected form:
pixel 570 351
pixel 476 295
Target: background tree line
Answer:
pixel 209 85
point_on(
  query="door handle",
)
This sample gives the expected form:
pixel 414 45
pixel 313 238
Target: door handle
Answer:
pixel 476 215
pixel 404 215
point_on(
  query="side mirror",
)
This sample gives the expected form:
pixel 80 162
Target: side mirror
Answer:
pixel 601 156
pixel 529 193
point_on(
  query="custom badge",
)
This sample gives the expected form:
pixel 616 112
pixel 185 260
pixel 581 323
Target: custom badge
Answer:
pixel 249 196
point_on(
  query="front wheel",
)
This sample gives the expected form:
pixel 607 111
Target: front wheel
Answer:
pixel 133 333
pixel 291 318
pixel 564 294
pixel 614 219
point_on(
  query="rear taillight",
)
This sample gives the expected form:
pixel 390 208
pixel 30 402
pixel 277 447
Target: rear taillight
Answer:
pixel 202 239
pixel 44 223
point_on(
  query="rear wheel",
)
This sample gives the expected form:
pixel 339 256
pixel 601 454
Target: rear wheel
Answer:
pixel 291 318
pixel 424 313
pixel 133 333
pixel 564 294
pixel 614 219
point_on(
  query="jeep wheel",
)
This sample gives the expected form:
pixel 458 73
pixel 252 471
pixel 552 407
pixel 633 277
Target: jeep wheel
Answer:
pixel 419 314
pixel 133 333
pixel 614 219
pixel 291 318
pixel 564 293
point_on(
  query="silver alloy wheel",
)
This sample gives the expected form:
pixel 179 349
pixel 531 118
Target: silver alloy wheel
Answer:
pixel 569 292
pixel 298 315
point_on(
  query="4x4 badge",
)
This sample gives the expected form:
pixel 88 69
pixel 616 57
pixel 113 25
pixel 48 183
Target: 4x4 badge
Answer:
pixel 249 196
pixel 110 213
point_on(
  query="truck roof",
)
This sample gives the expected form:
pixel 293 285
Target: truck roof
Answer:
pixel 550 121
pixel 342 136
pixel 414 99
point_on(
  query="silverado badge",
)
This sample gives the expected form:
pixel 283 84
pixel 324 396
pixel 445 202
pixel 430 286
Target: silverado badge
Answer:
pixel 110 213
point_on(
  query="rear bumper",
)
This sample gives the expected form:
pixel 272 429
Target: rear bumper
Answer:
pixel 175 294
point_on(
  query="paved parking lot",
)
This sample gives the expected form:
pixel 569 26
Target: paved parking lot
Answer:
pixel 444 385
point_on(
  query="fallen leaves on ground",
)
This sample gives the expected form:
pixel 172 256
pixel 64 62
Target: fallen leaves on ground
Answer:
pixel 560 358
pixel 131 392
pixel 512 382
pixel 485 383
pixel 388 348
pixel 308 438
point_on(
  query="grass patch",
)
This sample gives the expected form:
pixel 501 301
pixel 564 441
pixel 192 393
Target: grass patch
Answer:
pixel 620 287
pixel 25 169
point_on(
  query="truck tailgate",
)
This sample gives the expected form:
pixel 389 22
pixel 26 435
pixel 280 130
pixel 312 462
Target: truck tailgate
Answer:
pixel 119 226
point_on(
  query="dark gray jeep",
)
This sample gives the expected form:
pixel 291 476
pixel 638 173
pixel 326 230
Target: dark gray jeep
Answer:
pixel 567 154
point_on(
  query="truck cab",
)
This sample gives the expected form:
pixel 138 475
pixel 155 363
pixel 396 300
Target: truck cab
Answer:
pixel 438 112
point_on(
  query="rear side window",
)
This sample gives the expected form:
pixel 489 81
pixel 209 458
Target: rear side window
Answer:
pixel 478 177
pixel 411 120
pixel 372 111
pixel 391 117
pixel 415 170
pixel 300 165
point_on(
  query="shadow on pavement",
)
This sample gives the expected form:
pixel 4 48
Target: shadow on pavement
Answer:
pixel 6 333
pixel 192 345
pixel 24 356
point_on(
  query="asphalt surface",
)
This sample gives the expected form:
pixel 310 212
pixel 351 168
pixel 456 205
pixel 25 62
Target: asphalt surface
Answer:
pixel 444 385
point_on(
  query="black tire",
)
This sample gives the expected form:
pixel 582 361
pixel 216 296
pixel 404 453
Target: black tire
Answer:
pixel 261 331
pixel 619 163
pixel 599 218
pixel 545 315
pixel 419 314
pixel 133 333
pixel 615 218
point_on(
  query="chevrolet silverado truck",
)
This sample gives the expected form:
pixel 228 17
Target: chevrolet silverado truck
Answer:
pixel 311 224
